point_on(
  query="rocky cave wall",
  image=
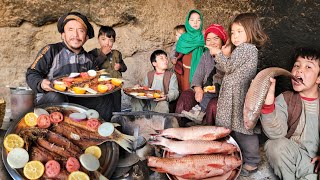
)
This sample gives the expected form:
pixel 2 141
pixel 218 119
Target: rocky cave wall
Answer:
pixel 143 26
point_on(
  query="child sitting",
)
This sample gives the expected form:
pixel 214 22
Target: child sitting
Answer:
pixel 158 79
pixel 109 59
pixel 291 121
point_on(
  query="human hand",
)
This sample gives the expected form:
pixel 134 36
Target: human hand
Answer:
pixel 213 50
pixel 45 85
pixel 174 61
pixel 270 95
pixel 117 66
pixel 106 49
pixel 226 49
pixel 199 94
pixel 313 161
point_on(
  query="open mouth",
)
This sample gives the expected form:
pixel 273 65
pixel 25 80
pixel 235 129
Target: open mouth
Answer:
pixel 298 79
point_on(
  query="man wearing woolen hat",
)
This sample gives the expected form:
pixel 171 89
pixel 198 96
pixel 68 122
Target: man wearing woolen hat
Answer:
pixel 63 58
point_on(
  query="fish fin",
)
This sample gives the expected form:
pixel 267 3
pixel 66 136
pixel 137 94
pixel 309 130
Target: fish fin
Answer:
pixel 125 136
pixel 160 170
pixel 125 141
pixel 188 176
pixel 216 165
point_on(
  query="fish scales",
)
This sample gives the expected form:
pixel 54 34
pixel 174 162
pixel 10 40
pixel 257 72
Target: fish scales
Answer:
pixel 196 166
pixel 257 93
pixel 196 133
pixel 194 146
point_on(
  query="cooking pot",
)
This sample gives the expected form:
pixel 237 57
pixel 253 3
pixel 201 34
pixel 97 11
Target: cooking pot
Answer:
pixel 21 101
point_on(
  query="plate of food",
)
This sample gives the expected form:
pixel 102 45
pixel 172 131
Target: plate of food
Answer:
pixel 143 92
pixel 208 153
pixel 86 84
pixel 59 141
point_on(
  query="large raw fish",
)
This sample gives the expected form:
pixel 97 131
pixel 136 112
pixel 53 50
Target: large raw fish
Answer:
pixel 195 166
pixel 257 93
pixel 194 146
pixel 195 133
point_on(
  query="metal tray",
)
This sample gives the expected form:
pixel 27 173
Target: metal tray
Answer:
pixel 232 176
pixel 110 150
pixel 88 94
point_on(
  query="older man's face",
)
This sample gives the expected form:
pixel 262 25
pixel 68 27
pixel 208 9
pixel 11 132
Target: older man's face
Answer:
pixel 74 35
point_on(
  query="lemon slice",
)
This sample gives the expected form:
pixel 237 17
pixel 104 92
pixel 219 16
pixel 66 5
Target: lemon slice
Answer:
pixel 94 150
pixel 30 119
pixel 33 170
pixel 78 175
pixel 13 141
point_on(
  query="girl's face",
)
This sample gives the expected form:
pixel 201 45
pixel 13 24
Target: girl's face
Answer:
pixel 105 41
pixel 308 71
pixel 238 34
pixel 213 40
pixel 195 21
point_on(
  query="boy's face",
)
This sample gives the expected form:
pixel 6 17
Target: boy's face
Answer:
pixel 161 63
pixel 105 41
pixel 308 71
pixel 178 34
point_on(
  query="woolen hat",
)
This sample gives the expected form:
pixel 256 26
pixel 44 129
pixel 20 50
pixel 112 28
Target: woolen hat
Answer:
pixel 62 21
pixel 218 30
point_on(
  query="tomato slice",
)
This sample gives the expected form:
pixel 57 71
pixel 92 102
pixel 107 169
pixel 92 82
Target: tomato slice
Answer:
pixel 68 79
pixel 56 117
pixel 110 86
pixel 84 75
pixel 52 168
pixel 93 123
pixel 72 164
pixel 43 121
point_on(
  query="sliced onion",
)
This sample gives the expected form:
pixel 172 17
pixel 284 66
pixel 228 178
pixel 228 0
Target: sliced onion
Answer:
pixel 17 158
pixel 92 73
pixel 106 129
pixel 92 114
pixel 90 90
pixel 90 162
pixel 40 111
pixel 78 116
pixel 72 75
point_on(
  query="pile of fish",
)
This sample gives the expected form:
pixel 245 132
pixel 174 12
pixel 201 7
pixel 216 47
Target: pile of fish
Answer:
pixel 196 152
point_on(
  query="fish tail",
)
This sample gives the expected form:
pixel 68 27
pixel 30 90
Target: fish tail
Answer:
pixel 125 141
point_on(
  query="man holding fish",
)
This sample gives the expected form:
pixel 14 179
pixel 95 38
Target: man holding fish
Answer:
pixel 291 121
pixel 62 59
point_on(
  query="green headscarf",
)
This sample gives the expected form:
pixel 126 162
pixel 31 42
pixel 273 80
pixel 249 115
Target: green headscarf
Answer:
pixel 192 41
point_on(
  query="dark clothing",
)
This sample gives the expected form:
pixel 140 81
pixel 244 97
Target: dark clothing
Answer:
pixel 57 60
pixel 187 100
pixel 249 145
pixel 108 61
pixel 206 99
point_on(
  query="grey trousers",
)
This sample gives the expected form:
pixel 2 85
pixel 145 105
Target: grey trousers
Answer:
pixel 249 145
pixel 288 160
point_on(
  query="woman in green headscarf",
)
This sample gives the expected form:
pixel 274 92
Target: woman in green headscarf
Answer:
pixel 191 45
